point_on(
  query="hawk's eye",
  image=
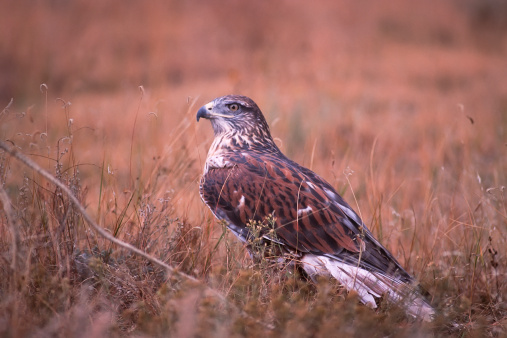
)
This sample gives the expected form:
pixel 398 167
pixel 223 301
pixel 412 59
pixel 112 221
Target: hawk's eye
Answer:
pixel 233 106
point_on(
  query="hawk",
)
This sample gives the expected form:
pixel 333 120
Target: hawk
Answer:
pixel 248 181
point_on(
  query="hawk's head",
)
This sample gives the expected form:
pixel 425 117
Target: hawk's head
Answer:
pixel 237 115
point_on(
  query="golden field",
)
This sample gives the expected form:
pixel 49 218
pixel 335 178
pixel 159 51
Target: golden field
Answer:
pixel 400 105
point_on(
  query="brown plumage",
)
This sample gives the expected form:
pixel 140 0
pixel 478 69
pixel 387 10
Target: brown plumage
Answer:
pixel 247 178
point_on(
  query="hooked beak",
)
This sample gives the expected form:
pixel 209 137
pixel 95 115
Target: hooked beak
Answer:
pixel 205 111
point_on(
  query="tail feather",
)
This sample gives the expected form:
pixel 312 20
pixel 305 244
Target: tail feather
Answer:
pixel 369 285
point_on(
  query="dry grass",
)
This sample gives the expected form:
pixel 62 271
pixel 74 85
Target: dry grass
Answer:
pixel 405 105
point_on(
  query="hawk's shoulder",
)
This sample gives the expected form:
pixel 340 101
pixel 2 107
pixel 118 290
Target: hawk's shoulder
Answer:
pixel 257 186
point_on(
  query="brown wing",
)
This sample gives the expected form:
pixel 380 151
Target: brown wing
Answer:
pixel 309 215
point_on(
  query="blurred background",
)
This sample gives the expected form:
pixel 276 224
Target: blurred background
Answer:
pixel 395 50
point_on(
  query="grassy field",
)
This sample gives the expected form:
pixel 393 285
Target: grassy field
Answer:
pixel 400 105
